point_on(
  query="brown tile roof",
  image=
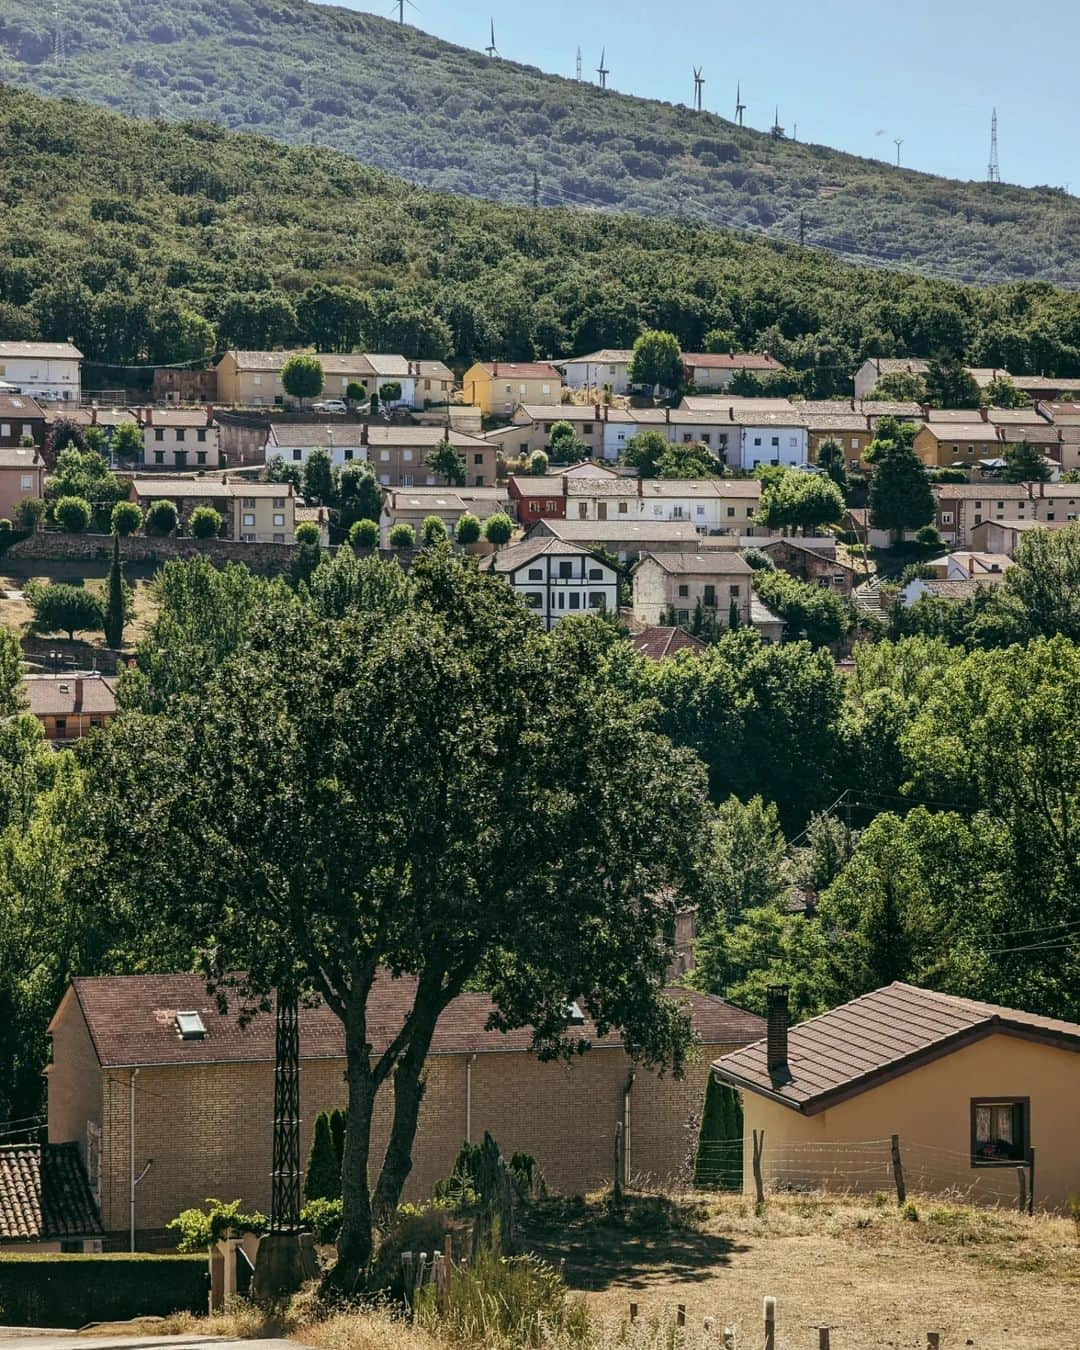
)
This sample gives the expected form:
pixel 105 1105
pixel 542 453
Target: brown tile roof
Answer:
pixel 333 363
pixel 20 457
pixel 55 695
pixel 894 365
pixel 131 1020
pixel 890 1031
pixel 521 370
pixel 536 485
pixel 177 417
pixel 44 1194
pixel 732 361
pixel 20 408
pixel 610 356
pixel 621 531
pixel 658 644
pixel 517 555
pixel 718 562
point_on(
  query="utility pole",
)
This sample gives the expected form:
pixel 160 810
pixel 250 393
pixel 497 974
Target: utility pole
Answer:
pixel 777 129
pixel 802 228
pixel 898 142
pixel 740 106
pixel 59 44
pixel 993 173
pixel 491 49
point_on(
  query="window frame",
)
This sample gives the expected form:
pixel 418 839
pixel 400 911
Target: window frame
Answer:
pixel 1003 1099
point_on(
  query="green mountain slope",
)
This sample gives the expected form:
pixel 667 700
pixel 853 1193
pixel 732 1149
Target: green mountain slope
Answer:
pixel 450 119
pixel 124 234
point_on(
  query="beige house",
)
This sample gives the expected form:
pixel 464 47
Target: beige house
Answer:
pixel 972 1091
pixel 498 387
pixel 180 438
pixel 533 422
pixel 69 707
pixel 1003 537
pixel 715 370
pixel 22 475
pixel 963 506
pixel 398 455
pixel 150 1059
pixel 872 369
pixel 682 581
pixel 252 513
pixel 412 506
pixel 253 379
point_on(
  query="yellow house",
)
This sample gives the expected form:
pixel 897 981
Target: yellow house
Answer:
pixel 973 1094
pixel 940 445
pixel 498 387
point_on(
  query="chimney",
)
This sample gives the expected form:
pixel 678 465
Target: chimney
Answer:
pixel 776 1012
pixel 667 416
pixel 495 371
pixel 853 404
pixel 78 693
pixel 364 434
pixel 93 415
pixel 596 412
pixel 149 413
pixel 731 411
pixel 984 412
pixel 209 414
pixel 925 410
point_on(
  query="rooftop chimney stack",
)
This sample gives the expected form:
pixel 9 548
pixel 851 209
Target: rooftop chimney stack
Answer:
pixel 776 1013
pixel 78 694
pixel 364 434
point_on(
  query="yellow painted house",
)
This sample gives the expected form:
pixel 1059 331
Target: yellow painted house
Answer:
pixel 973 1093
pixel 498 387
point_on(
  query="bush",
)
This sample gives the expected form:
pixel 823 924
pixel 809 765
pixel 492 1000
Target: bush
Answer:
pixel 5 525
pixel 198 1228
pixel 928 537
pixel 413 1229
pixel 364 534
pixel 323 1217
pixel 161 518
pixel 64 609
pixel 126 519
pixel 498 529
pixel 758 559
pixel 73 514
pixel 433 531
pixel 467 530
pixel 31 511
pixel 354 392
pixel 307 532
pixel 322 1178
pixel 402 536
pixel 46 1290
pixel 204 523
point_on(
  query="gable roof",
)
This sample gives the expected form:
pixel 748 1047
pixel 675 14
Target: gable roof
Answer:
pixel 607 356
pixel 878 1036
pixel 717 562
pixel 20 408
pixel 731 361
pixel 45 1194
pixel 20 457
pixel 517 555
pixel 520 370
pixel 620 531
pixel 42 350
pixel 131 1021
pixel 55 695
pixel 661 643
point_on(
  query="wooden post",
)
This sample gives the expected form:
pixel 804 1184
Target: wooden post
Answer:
pixel 933 1340
pixel 1021 1181
pixel 617 1180
pixel 1031 1181
pixel 898 1171
pixel 770 1323
pixel 633 1312
pixel 680 1315
pixel 823 1338
pixel 759 1148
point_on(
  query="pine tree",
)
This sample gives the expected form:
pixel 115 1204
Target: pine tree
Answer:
pixel 113 622
pixel 719 1161
pixel 322 1181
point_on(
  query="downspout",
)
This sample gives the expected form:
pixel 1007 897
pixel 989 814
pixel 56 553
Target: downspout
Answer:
pixel 131 1157
pixel 627 1090
pixel 470 1060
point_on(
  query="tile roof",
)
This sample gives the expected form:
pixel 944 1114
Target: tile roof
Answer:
pixel 44 1194
pixel 388 366
pixel 563 412
pixel 609 356
pixel 659 644
pixel 131 1021
pixel 517 555
pixel 621 531
pixel 960 431
pixel 43 350
pixel 152 487
pixel 980 491
pixel 955 588
pixel 731 361
pixel 309 434
pixel 56 695
pixel 333 363
pixel 20 457
pixel 718 562
pixel 661 488
pixel 521 370
pixel 721 401
pixel 1045 382
pixel 20 407
pixel 889 1031
pixel 178 417
pixel 537 485
pixel 894 365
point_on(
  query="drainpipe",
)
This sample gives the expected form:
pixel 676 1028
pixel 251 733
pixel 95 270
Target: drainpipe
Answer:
pixel 627 1090
pixel 469 1062
pixel 134 1180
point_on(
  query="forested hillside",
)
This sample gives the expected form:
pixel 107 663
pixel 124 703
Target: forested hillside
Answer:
pixel 151 241
pixel 451 119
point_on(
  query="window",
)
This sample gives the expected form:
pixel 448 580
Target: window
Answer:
pixel 384 456
pixel 854 442
pixel 596 574
pixel 349 453
pixel 61 724
pixel 256 379
pixel 596 600
pixel 683 615
pixel 279 538
pixel 699 510
pixel 249 518
pixel 93 1154
pixel 159 456
pixel 946 517
pixel 687 438
pixel 200 456
pixel 26 482
pixel 200 435
pixel 622 508
pixel 534 507
pixel 705 439
pixel 159 435
pixel 247 538
pixel 684 592
pixel 731 510
pixel 5 429
pixel 249 503
pixel 298 454
pixel 775 442
pixel 709 597
pixel 757 442
pixel 999 1131
pixel 279 520
pixel 536 574
pixel 575 600
pixel 588 428
pixel 733 590
pixel 180 434
pixel 279 504
pixel 407 456
pixel 566 569
pixel 478 458
pixel 407 480
pixel 534 599
pixel 546 387
pixel 523 448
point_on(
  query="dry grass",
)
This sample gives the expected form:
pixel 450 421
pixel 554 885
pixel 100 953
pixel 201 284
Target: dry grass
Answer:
pixel 16 614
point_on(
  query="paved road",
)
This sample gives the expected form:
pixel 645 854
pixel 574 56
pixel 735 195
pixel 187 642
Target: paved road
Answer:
pixel 31 1338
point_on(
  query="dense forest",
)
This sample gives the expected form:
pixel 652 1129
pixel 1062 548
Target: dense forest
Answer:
pixel 450 119
pixel 155 241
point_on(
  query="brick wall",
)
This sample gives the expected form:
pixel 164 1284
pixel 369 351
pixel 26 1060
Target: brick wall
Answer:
pixel 208 1129
pixel 268 559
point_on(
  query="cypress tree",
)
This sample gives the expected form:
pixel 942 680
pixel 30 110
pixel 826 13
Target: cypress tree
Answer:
pixel 113 621
pixel 337 1134
pixel 719 1163
pixel 322 1180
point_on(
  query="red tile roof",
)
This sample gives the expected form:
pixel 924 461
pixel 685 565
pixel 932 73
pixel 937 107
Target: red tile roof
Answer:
pixel 521 370
pixel 659 643
pixel 131 1020
pixel 732 360
pixel 44 1194
pixel 890 1031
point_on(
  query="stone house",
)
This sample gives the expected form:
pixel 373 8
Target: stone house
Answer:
pixel 815 566
pixel 682 581
pixel 251 513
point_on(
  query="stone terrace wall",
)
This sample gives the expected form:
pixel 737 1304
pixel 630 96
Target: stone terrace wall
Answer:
pixel 266 559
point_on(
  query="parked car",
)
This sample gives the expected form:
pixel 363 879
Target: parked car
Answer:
pixel 330 405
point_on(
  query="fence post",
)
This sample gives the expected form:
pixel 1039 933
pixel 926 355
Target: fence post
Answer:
pixel 1031 1181
pixel 729 1338
pixel 759 1147
pixel 933 1340
pixel 633 1312
pixel 898 1171
pixel 770 1323
pixel 616 1186
pixel 680 1315
pixel 823 1338
pixel 1021 1181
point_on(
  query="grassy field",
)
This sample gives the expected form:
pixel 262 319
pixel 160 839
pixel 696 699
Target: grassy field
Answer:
pixel 15 613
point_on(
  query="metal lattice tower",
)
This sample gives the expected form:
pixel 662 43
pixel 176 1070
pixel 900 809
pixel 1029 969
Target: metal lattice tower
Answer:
pixel 993 173
pixel 285 1192
pixel 602 69
pixel 59 43
pixel 699 81
pixel 740 106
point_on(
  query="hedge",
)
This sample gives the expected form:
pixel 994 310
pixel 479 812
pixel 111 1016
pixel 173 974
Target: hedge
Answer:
pixel 45 1289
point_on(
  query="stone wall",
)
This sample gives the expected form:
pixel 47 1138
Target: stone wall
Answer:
pixel 53 546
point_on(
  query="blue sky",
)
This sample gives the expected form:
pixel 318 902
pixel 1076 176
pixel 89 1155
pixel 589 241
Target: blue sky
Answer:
pixel 849 73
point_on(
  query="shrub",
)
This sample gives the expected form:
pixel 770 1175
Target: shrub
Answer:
pixel 198 1228
pixel 402 536
pixel 719 1157
pixel 73 514
pixel 538 463
pixel 413 1229
pixel 390 392
pixel 758 559
pixel 63 609
pixel 323 1217
pixel 467 530
pixel 204 523
pixel 31 511
pixel 928 537
pixel 307 532
pixel 322 1180
pixel 433 531
pixel 364 534
pixel 5 525
pixel 355 393
pixel 46 1290
pixel 498 529
pixel 126 519
pixel 161 518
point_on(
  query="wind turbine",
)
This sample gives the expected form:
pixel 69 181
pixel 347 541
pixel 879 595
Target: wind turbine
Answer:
pixel 699 81
pixel 400 7
pixel 602 70
pixel 740 106
pixel 898 142
pixel 492 50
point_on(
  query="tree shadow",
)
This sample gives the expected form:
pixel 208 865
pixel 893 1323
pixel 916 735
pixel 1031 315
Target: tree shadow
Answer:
pixel 646 1240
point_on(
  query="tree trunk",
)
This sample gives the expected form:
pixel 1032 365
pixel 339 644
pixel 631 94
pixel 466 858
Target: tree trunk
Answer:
pixel 355 1242
pixel 408 1096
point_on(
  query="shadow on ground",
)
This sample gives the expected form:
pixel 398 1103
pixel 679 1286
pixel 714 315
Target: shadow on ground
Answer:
pixel 645 1241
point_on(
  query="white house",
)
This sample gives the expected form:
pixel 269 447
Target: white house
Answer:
pixel 395 370
pixel 180 438
pixel 557 579
pixel 872 369
pixel 45 370
pixel 609 367
pixel 769 438
pixel 716 370
pixel 295 442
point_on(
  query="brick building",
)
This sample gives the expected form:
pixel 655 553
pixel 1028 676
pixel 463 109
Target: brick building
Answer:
pixel 201 1105
pixel 816 566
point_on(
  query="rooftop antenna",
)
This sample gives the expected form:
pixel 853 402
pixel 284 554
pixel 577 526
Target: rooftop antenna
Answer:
pixel 740 106
pixel 579 65
pixel 492 50
pixel 898 142
pixel 777 129
pixel 602 69
pixel 993 173
pixel 59 45
pixel 699 81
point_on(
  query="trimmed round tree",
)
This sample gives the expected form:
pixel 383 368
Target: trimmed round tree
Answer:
pixel 127 442
pixel 364 534
pixel 402 536
pixel 161 517
pixel 467 530
pixel 204 523
pixel 657 360
pixel 538 462
pixel 302 376
pixel 307 532
pixel 73 514
pixel 433 531
pixel 355 393
pixel 126 519
pixel 498 529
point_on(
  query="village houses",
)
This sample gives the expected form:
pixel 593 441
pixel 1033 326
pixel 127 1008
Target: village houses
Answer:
pixel 251 513
pixel 20 417
pixel 70 706
pixel 412 505
pixel 22 475
pixel 398 454
pixel 718 582
pixel 50 371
